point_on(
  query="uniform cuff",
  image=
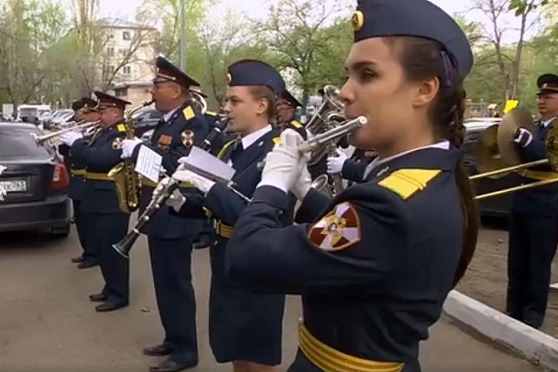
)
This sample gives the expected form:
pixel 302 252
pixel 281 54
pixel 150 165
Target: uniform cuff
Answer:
pixel 271 195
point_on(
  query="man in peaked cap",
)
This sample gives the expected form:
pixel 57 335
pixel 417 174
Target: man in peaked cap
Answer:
pixel 287 107
pixel 107 223
pixel 85 110
pixel 170 237
pixel 534 217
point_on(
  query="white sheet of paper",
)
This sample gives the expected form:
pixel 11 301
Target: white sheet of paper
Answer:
pixel 209 163
pixel 149 164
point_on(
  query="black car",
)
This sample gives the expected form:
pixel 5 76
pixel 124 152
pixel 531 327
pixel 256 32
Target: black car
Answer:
pixel 145 121
pixel 33 183
pixel 498 206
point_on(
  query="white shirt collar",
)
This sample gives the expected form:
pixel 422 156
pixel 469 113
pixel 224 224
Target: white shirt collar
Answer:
pixel 169 114
pixel 547 122
pixel 254 136
pixel 444 145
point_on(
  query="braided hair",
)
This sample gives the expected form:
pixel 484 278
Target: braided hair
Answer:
pixel 421 59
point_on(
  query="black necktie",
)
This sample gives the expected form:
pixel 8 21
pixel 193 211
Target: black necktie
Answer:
pixel 237 150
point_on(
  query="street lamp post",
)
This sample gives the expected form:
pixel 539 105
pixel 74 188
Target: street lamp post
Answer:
pixel 182 35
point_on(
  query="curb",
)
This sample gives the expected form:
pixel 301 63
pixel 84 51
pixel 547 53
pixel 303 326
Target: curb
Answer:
pixel 530 343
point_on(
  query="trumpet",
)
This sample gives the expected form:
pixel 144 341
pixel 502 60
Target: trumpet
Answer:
pixel 39 140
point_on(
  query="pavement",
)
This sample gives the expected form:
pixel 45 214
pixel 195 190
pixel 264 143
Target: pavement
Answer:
pixel 48 324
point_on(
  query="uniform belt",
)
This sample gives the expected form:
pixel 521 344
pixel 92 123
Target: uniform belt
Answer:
pixel 330 360
pixel 97 176
pixel 224 231
pixel 77 172
pixel 539 175
pixel 148 182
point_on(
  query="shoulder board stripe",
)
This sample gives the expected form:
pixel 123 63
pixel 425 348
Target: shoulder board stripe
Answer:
pixel 276 140
pixel 296 124
pixel 121 128
pixel 188 113
pixel 211 113
pixel 407 182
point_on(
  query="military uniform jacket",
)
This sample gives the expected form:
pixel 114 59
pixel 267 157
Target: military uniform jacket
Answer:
pixel 99 155
pixel 541 200
pixel 76 170
pixel 172 140
pixel 375 264
pixel 223 203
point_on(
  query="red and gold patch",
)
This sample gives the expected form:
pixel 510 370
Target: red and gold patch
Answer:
pixel 337 230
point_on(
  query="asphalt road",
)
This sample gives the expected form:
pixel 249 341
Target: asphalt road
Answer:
pixel 48 324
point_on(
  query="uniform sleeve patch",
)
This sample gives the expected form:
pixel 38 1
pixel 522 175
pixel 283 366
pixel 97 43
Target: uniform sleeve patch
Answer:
pixel 188 113
pixel 407 182
pixel 338 230
pixel 121 128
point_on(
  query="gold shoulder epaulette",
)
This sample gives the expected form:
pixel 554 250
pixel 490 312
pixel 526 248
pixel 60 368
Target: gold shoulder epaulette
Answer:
pixel 121 128
pixel 276 140
pixel 407 182
pixel 188 112
pixel 224 149
pixel 296 124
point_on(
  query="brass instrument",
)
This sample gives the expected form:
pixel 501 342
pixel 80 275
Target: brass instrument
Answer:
pixel 162 192
pixel 125 177
pixel 497 155
pixel 199 101
pixel 76 126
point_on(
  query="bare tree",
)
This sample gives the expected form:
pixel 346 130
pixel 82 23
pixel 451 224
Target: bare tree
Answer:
pixel 509 66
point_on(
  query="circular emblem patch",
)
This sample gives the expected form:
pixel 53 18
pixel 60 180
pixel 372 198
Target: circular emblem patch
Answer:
pixel 357 20
pixel 117 143
pixel 187 138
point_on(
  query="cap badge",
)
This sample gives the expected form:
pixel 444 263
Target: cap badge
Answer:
pixel 357 20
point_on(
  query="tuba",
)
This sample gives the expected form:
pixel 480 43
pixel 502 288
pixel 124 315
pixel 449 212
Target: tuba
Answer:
pixel 328 117
pixel 125 177
pixel 199 101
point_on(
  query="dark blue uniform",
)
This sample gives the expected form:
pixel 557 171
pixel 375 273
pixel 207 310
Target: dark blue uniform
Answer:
pixel 533 237
pixel 107 224
pixel 373 267
pixel 354 168
pixel 76 192
pixel 243 324
pixel 170 237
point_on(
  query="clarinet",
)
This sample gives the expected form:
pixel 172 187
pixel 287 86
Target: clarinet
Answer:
pixel 161 194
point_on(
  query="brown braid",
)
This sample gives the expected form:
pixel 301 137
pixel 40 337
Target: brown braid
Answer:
pixel 422 59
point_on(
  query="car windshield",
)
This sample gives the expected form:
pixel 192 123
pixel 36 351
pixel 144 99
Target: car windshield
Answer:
pixel 28 111
pixel 18 144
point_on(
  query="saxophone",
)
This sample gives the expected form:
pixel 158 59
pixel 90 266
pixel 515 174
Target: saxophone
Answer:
pixel 125 177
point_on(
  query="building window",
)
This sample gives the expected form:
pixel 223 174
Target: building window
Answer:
pixel 123 52
pixel 121 92
pixel 127 70
pixel 126 35
pixel 110 52
pixel 110 69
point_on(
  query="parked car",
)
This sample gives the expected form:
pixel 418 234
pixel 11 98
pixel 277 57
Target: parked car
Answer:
pixel 33 183
pixel 496 206
pixel 145 120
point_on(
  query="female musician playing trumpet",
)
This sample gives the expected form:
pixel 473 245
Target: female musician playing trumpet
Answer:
pixel 375 264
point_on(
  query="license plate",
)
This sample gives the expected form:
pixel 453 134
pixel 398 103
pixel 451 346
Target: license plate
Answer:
pixel 13 186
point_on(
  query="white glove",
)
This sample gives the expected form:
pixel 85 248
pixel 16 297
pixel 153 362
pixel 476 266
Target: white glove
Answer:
pixel 303 184
pixel 128 146
pixel 70 137
pixel 199 182
pixel 335 163
pixel 282 164
pixel 176 200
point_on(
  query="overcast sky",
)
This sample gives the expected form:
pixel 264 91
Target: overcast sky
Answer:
pixel 126 9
